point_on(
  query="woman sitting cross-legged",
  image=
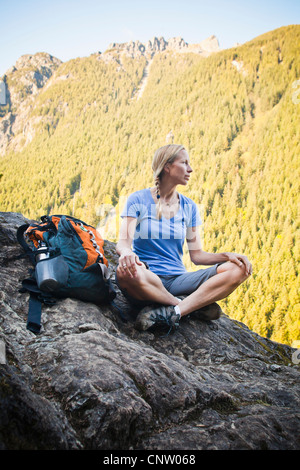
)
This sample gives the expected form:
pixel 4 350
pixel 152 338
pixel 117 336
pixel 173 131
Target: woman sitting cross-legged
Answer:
pixel 155 223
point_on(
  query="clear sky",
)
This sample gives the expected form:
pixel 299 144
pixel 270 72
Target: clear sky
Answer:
pixel 77 28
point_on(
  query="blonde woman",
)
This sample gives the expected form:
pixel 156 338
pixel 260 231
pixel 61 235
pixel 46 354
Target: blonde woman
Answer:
pixel 155 223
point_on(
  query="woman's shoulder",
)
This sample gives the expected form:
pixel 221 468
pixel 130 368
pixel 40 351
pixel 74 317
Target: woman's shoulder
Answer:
pixel 186 200
pixel 135 204
pixel 191 211
pixel 139 195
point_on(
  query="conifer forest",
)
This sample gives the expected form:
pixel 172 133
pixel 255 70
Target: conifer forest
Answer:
pixel 237 112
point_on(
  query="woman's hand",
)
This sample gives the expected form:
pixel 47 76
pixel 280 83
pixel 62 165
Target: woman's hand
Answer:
pixel 127 263
pixel 128 259
pixel 241 261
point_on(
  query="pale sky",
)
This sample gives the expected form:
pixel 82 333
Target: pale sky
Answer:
pixel 68 29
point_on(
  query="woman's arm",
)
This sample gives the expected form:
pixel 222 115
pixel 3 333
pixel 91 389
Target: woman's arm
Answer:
pixel 198 256
pixel 127 258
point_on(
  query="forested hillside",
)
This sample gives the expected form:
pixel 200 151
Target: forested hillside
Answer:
pixel 237 112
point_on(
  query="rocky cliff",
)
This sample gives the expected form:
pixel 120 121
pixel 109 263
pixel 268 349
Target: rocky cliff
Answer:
pixel 31 75
pixel 23 83
pixel 89 380
pixel 154 45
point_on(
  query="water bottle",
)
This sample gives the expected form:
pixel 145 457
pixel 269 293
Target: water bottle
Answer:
pixel 51 269
pixel 42 252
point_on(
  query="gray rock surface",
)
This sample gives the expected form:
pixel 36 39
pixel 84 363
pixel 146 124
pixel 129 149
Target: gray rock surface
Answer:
pixel 91 381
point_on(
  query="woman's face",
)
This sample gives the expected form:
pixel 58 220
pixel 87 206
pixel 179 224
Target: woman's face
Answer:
pixel 180 169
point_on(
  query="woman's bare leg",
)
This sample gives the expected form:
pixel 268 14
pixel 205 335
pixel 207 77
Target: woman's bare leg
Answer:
pixel 146 286
pixel 229 276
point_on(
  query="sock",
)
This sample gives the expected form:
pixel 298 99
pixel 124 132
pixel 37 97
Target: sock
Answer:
pixel 177 310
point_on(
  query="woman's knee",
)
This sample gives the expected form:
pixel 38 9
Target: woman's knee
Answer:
pixel 125 280
pixel 236 274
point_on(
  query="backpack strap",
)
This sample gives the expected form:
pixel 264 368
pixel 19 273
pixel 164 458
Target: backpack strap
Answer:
pixel 34 315
pixel 37 297
pixel 20 237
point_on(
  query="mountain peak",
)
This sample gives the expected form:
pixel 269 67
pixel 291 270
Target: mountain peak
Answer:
pixel 159 44
pixel 39 61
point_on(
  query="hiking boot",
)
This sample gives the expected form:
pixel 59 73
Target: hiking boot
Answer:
pixel 157 316
pixel 209 312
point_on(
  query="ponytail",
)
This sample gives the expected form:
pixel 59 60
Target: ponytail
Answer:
pixel 162 156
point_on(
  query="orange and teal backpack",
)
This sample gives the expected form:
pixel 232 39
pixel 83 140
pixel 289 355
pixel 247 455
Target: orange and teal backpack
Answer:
pixel 69 261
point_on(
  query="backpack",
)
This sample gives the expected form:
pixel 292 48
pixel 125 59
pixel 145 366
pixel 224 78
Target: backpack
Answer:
pixel 68 260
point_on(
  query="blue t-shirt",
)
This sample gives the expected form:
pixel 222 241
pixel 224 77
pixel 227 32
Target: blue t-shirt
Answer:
pixel 159 242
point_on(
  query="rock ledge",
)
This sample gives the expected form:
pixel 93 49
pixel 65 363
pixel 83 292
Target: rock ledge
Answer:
pixel 91 381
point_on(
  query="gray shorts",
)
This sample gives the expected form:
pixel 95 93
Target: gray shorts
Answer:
pixel 179 284
pixel 185 284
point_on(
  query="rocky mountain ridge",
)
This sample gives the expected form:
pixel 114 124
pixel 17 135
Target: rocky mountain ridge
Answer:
pixel 25 80
pixel 155 45
pixel 91 381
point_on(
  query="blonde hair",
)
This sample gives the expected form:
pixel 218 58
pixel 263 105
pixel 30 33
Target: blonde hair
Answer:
pixel 162 156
